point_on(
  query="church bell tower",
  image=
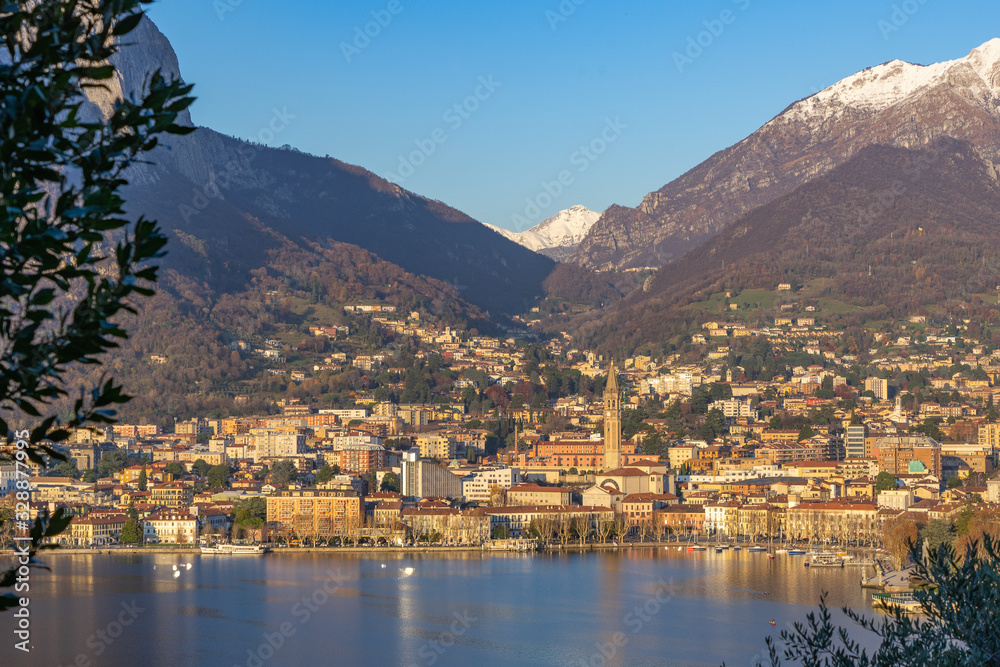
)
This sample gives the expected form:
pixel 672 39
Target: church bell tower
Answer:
pixel 612 421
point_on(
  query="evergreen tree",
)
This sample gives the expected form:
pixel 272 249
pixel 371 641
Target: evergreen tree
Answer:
pixel 61 175
pixel 131 532
pixel 218 476
pixel 885 482
pixel 959 623
pixel 390 482
pixel 324 474
pixel 143 482
pixel 992 413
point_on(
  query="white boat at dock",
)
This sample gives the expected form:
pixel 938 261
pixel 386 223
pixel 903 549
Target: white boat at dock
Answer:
pixel 227 549
pixel 825 559
pixel 514 544
pixel 906 602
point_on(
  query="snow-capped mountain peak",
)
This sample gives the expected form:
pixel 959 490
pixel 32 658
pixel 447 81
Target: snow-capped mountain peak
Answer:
pixel 557 236
pixel 878 88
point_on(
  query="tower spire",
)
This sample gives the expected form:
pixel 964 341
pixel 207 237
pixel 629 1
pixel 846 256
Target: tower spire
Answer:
pixel 612 421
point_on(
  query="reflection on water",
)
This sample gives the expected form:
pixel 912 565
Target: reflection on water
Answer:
pixel 639 607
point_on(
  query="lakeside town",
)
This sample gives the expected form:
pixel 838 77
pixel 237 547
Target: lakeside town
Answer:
pixel 821 454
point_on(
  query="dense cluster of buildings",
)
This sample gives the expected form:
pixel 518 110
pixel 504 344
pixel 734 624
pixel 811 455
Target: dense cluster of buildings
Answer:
pixel 398 472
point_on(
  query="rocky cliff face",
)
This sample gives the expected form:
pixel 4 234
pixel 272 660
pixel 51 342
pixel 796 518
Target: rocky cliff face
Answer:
pixel 898 104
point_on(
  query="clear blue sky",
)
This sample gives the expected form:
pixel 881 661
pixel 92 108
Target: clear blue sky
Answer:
pixel 559 82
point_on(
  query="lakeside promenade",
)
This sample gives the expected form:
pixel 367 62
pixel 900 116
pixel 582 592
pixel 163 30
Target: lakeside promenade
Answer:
pixel 276 549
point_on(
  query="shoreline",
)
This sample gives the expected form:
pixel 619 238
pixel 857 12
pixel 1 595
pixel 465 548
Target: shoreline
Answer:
pixel 551 548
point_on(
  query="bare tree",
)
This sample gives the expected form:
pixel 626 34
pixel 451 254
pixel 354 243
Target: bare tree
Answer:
pixel 563 527
pixel 643 527
pixel 621 528
pixel 498 496
pixel 605 527
pixel 897 536
pixel 580 526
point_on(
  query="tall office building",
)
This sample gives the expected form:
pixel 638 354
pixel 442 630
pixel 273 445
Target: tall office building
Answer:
pixel 855 442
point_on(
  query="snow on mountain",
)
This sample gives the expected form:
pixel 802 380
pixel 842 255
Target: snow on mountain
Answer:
pixel 878 88
pixel 557 236
pixel 895 104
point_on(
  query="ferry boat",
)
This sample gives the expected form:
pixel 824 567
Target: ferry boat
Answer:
pixel 825 560
pixel 514 544
pixel 227 549
pixel 907 602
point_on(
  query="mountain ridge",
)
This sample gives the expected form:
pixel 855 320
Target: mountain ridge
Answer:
pixel 890 233
pixel 231 197
pixel 808 139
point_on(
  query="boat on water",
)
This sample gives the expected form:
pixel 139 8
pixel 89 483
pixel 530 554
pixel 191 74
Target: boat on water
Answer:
pixel 517 544
pixel 757 549
pixel 907 602
pixel 697 547
pixel 227 549
pixel 781 551
pixel 737 547
pixel 718 550
pixel 827 559
pixel 796 552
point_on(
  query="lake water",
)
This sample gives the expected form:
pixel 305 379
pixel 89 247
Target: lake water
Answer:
pixel 630 608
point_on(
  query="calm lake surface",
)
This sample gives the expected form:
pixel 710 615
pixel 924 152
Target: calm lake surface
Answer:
pixel 638 607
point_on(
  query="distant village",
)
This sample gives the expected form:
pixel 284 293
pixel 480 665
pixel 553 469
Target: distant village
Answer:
pixel 387 473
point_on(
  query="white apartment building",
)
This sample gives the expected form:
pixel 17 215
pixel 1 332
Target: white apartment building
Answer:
pixel 340 442
pixel 735 408
pixel 8 475
pixel 477 485
pixel 170 526
pixel 269 443
pixel 441 447
pixel 421 478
